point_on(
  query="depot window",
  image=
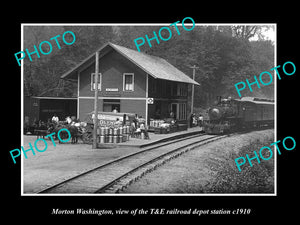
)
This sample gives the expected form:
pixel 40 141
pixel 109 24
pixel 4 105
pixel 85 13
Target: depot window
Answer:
pixel 179 89
pixel 128 82
pixel 93 81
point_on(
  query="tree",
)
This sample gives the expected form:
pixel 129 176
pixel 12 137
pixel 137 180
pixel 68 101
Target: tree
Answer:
pixel 225 55
pixel 247 32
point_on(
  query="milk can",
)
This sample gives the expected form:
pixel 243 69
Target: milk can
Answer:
pixel 120 140
pixel 106 130
pixel 106 139
pixel 115 139
pixel 102 131
pixel 110 139
pixel 124 138
pixel 151 123
pixel 101 138
pixel 115 131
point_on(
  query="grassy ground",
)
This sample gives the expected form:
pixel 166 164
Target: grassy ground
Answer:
pixel 212 169
pixel 255 179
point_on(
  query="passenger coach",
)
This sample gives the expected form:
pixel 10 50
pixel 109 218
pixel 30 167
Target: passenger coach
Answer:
pixel 236 114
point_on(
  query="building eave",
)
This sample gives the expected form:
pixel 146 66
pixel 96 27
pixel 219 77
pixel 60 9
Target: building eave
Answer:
pixel 133 56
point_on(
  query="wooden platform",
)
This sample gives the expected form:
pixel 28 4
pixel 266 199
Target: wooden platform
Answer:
pixel 154 139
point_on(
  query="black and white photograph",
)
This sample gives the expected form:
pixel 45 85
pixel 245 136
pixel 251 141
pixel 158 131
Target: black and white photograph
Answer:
pixel 182 109
pixel 150 116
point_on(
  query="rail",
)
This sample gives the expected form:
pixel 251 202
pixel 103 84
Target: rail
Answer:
pixel 117 174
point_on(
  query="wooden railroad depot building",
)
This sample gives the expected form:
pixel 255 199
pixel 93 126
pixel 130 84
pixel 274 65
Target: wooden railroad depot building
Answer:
pixel 43 108
pixel 131 82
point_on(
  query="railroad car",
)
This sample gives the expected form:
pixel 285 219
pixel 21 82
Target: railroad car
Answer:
pixel 236 114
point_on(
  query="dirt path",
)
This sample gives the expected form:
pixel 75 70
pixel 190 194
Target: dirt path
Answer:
pixel 211 169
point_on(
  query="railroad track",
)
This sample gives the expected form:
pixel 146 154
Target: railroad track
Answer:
pixel 116 175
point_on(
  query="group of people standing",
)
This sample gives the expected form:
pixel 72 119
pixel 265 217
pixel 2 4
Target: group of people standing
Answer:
pixel 138 126
pixel 196 121
pixel 68 120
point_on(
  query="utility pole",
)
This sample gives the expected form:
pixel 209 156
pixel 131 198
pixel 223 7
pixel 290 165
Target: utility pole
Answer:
pixel 193 87
pixel 96 102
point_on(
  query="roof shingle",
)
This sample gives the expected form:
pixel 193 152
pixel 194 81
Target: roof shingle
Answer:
pixel 153 65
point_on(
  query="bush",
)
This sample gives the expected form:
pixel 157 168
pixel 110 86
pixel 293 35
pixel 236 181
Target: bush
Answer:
pixel 256 179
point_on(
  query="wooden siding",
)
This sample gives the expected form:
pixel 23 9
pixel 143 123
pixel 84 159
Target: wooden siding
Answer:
pixel 86 106
pixel 159 88
pixel 134 106
pixel 112 68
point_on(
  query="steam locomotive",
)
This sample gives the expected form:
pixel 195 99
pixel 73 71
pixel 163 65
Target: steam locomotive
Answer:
pixel 236 114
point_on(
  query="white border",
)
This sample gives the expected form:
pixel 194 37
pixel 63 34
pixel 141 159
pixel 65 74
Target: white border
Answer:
pixel 146 24
pixel 275 98
pixel 22 110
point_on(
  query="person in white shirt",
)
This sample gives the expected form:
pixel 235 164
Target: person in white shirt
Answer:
pixel 200 121
pixel 55 119
pixel 68 119
pixel 118 122
pixel 144 130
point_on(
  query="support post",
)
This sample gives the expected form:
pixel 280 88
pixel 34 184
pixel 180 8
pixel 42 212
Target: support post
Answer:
pixel 96 101
pixel 147 90
pixel 193 88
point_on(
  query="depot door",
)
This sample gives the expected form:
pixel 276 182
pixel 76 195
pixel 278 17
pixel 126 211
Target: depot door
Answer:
pixel 174 108
pixel 179 110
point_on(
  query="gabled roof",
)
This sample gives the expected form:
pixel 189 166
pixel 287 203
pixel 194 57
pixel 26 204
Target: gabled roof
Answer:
pixel 153 65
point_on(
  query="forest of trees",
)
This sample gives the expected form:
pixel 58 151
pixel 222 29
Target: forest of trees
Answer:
pixel 225 55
